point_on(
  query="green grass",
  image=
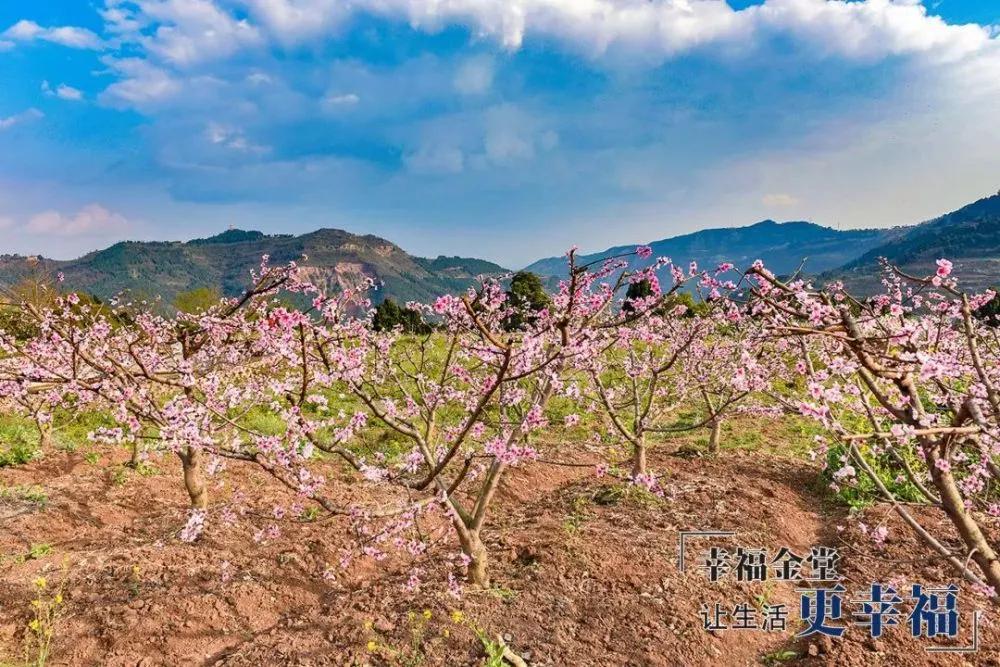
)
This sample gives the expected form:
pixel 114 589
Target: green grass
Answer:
pixel 36 551
pixel 264 422
pixel 71 428
pixel 789 435
pixel 863 493
pixel 19 441
pixel 28 494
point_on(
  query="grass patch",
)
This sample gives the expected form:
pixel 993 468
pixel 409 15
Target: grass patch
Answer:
pixel 34 495
pixel 19 441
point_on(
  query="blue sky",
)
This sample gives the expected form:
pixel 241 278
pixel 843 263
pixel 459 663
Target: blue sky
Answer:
pixel 504 129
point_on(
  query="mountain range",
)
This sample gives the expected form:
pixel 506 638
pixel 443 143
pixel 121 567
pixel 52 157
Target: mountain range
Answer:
pixel 969 236
pixel 334 259
pixel 784 246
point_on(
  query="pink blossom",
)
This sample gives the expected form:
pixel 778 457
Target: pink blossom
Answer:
pixel 194 526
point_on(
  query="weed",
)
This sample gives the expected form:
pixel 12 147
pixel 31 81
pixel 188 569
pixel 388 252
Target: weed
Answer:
pixel 615 494
pixel 578 514
pixel 119 476
pixel 36 551
pixel 20 443
pixel 27 494
pixel 409 655
pixel 496 650
pixel 501 593
pixel 134 581
pixel 147 469
pixel 779 657
pixel 309 515
pixel 48 606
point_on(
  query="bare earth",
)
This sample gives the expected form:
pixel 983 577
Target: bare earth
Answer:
pixel 583 576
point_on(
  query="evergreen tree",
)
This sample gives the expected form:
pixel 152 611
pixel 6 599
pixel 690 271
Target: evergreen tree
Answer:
pixel 990 311
pixel 389 315
pixel 527 296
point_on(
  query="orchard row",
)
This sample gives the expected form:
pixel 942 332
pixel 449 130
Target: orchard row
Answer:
pixel 904 386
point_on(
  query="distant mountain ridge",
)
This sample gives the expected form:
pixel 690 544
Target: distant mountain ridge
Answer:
pixel 784 247
pixel 335 259
pixel 969 237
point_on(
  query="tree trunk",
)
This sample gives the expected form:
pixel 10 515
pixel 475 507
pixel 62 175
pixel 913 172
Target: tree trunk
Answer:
pixel 194 478
pixel 639 456
pixel 472 546
pixel 951 501
pixel 715 436
pixel 133 461
pixel 44 433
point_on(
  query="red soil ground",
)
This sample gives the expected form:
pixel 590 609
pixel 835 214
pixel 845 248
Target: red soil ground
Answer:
pixel 583 576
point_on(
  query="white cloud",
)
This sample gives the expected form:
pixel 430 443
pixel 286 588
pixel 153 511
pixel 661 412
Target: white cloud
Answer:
pixel 73 37
pixel 779 200
pixel 175 39
pixel 62 91
pixel 512 135
pixel 232 138
pixel 339 100
pixel 92 219
pixel 506 144
pixel 6 46
pixel 475 76
pixel 187 32
pixel 16 119
pixel 431 159
pixel 871 29
pixel 6 222
pixel 142 84
pixel 122 19
pixel 654 28
pixel 193 31
pixel 296 21
pixel 259 78
pixel 24 31
pixel 68 93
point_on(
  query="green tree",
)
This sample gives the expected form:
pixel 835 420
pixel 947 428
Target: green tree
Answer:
pixel 38 288
pixel 687 299
pixel 388 316
pixel 527 296
pixel 989 312
pixel 636 291
pixel 643 289
pixel 198 300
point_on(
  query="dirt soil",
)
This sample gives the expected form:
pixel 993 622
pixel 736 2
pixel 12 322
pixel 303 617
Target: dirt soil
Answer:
pixel 583 575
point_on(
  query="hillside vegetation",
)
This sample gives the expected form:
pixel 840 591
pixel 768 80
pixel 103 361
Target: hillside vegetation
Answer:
pixel 335 259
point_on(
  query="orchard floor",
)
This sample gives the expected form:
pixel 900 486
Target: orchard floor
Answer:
pixel 582 575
